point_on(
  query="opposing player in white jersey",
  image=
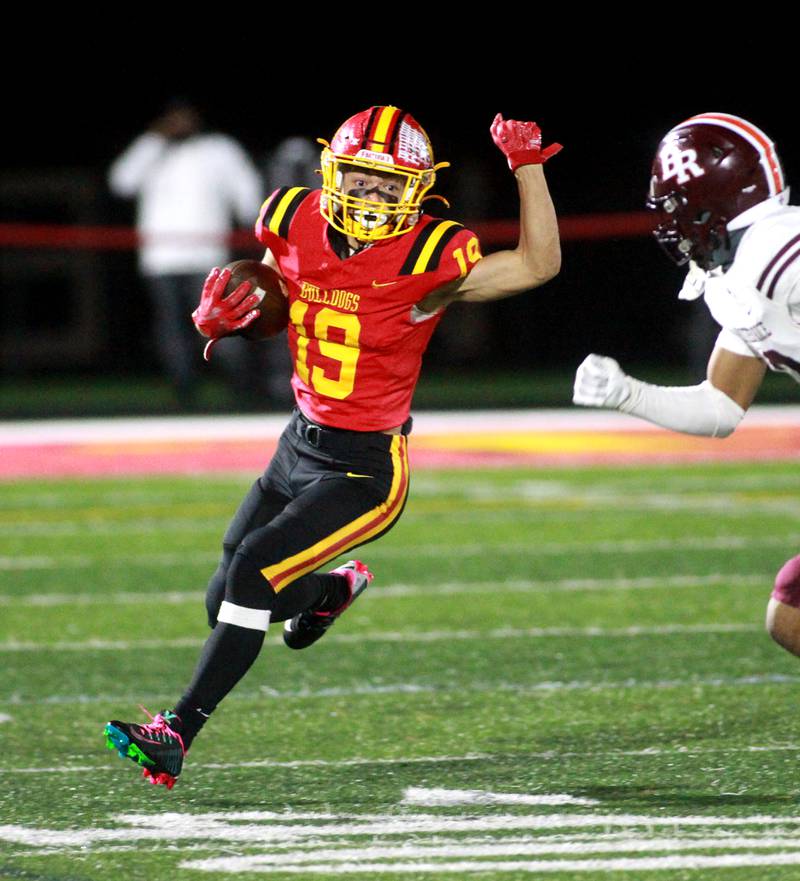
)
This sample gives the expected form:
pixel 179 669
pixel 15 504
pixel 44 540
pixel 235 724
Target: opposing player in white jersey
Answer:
pixel 718 188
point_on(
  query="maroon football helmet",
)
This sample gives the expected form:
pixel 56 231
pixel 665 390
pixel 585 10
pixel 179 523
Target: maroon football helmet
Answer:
pixel 706 172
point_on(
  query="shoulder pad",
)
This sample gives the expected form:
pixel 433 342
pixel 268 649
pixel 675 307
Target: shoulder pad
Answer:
pixel 429 246
pixel 769 247
pixel 281 208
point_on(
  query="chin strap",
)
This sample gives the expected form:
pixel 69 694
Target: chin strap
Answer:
pixel 436 198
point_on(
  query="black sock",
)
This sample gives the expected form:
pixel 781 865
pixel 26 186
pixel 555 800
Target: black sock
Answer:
pixel 337 593
pixel 188 721
pixel 227 655
pixel 319 592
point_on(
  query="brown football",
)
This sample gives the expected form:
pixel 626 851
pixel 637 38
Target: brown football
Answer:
pixel 274 305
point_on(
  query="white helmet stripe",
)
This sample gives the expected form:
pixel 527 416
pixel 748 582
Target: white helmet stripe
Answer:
pixel 754 136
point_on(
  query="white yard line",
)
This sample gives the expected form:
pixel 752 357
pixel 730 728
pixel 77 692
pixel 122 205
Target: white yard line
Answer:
pixel 168 598
pixel 546 632
pixel 731 506
pixel 453 848
pixel 413 688
pixel 788 509
pixel 554 495
pixel 536 548
pixel 644 864
pixel 552 755
pixel 464 847
pixel 83 528
pixel 296 763
pixel 85 561
pixel 411 590
pixel 416 795
pixel 257 827
pixel 533 548
pixel 402 636
pixel 432 484
pixel 289 828
pixel 523 585
pixel 425 485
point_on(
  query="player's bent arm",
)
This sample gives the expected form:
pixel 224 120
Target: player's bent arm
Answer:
pixel 705 409
pixel 535 260
pixel 738 376
pixel 537 257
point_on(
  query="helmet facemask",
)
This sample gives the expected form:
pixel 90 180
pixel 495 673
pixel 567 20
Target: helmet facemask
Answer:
pixel 686 234
pixel 382 141
pixel 372 213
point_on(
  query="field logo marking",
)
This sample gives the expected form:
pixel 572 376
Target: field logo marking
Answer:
pixel 484 839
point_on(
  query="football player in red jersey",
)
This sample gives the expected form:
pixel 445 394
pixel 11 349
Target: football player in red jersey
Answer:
pixel 719 193
pixel 368 275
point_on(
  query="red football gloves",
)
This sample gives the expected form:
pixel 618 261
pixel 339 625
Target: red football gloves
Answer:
pixel 521 142
pixel 218 316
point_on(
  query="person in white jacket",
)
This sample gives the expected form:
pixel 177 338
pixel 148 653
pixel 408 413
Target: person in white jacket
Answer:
pixel 190 185
pixel 718 188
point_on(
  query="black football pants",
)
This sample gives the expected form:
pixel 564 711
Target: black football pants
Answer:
pixel 325 491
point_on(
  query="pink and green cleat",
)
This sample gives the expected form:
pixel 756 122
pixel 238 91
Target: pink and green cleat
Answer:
pixel 155 746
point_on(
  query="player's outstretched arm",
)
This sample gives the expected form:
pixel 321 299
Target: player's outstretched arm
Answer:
pixel 713 408
pixel 537 257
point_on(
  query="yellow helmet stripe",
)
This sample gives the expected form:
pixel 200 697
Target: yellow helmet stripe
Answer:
pixel 281 208
pixel 382 129
pixel 360 530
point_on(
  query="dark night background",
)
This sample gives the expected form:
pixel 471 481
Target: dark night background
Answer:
pixel 614 296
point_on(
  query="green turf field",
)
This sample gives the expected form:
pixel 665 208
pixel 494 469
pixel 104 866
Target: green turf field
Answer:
pixel 554 674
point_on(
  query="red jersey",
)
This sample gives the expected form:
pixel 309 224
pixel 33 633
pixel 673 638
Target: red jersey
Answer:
pixel 356 345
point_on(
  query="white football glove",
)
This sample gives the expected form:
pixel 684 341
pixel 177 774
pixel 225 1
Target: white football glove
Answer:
pixel 600 382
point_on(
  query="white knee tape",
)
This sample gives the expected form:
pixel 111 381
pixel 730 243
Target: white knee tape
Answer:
pixel 241 616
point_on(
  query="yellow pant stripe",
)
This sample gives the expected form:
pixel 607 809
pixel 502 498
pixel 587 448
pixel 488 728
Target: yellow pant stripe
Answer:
pixel 356 532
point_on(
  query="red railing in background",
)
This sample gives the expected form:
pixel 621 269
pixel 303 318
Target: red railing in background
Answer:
pixel 490 232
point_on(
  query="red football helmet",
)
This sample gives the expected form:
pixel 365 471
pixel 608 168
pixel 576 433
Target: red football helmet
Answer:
pixel 381 140
pixel 706 172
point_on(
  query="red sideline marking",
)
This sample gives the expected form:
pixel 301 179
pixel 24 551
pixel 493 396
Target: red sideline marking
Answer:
pixel 101 238
pixel 119 459
pixel 564 448
pixel 491 232
pixel 576 449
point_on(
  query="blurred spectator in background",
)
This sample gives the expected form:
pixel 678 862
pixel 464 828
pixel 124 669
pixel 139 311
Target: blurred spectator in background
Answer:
pixel 294 160
pixel 189 184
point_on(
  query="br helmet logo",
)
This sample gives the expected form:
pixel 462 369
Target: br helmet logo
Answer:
pixel 679 163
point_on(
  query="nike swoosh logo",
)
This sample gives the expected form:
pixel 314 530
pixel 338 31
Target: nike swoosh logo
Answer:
pixel 350 474
pixel 382 284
